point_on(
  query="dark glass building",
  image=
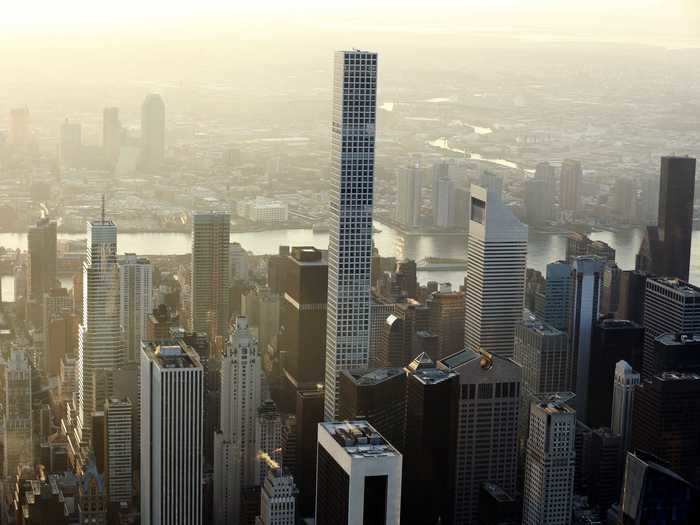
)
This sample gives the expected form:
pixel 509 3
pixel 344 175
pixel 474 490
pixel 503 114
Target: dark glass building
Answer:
pixel 613 341
pixel 653 493
pixel 377 396
pixel 677 352
pixel 665 249
pixel 432 405
pixel 309 413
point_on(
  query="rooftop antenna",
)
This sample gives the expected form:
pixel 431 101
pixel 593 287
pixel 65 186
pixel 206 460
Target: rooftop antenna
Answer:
pixel 103 208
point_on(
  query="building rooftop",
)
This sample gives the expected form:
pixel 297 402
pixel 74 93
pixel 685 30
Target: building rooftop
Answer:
pixel 618 324
pixel 359 439
pixel 557 403
pixel 373 377
pixel 497 493
pixel 677 376
pixel 171 354
pixel 535 324
pixel 678 285
pixel 679 339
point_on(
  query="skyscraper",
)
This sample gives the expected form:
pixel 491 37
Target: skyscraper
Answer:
pixel 303 316
pixel 118 451
pixel 353 486
pixel 612 341
pixel 236 464
pixel 665 250
pixel 172 412
pixel 486 445
pixel 432 397
pixel 443 196
pixel 543 353
pixel 549 470
pixel 537 201
pixel 99 335
pixel 71 143
pixel 351 200
pixel 569 186
pixel 408 183
pixel 152 131
pixel 586 286
pixel 17 427
pixel 41 260
pixel 671 306
pixel 496 261
pixel 446 321
pixel 666 421
pixel 557 296
pixel 111 134
pixel 578 244
pixel 19 129
pixel 136 296
pixel 277 499
pixel 210 273
pixel 626 382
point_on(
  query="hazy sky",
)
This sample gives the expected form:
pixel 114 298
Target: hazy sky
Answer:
pixel 647 20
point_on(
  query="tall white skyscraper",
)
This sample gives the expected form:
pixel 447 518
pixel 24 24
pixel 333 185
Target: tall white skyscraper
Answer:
pixel 210 273
pixel 408 184
pixel 172 414
pixel 550 463
pixel 99 334
pixel 626 381
pixel 587 284
pixel 351 201
pixel 236 463
pixel 443 196
pixel 496 262
pixel 17 435
pixel 277 499
pixel 136 295
pixel 358 476
pixel 118 451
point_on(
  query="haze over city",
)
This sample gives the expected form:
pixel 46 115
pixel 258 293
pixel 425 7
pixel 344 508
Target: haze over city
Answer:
pixel 368 262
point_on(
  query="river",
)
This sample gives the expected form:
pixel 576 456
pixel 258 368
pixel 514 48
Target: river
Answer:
pixel 543 247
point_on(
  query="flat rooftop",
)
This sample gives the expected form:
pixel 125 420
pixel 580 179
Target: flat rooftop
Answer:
pixel 171 354
pixel 678 376
pixel 679 286
pixel 539 326
pixel 359 439
pixel 373 377
pixel 679 339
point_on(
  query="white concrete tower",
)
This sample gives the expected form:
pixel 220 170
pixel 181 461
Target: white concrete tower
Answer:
pixel 136 293
pixel 236 463
pixel 172 416
pixel 626 381
pixel 496 263
pixel 550 463
pixel 351 201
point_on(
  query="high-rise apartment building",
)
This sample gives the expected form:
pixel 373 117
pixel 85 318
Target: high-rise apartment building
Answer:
pixel 486 445
pixel 210 273
pixel 111 134
pixel 497 257
pixel 152 131
pixel 277 499
pixel 443 196
pixel 119 462
pixel 586 283
pixel 236 465
pixel 136 301
pixel 626 382
pixel 665 250
pixel 99 334
pixel 351 201
pixel 359 476
pixel 17 426
pixel 570 186
pixel 671 306
pixel 172 414
pixel 549 469
pixel 302 314
pixel 408 184
pixel 539 205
